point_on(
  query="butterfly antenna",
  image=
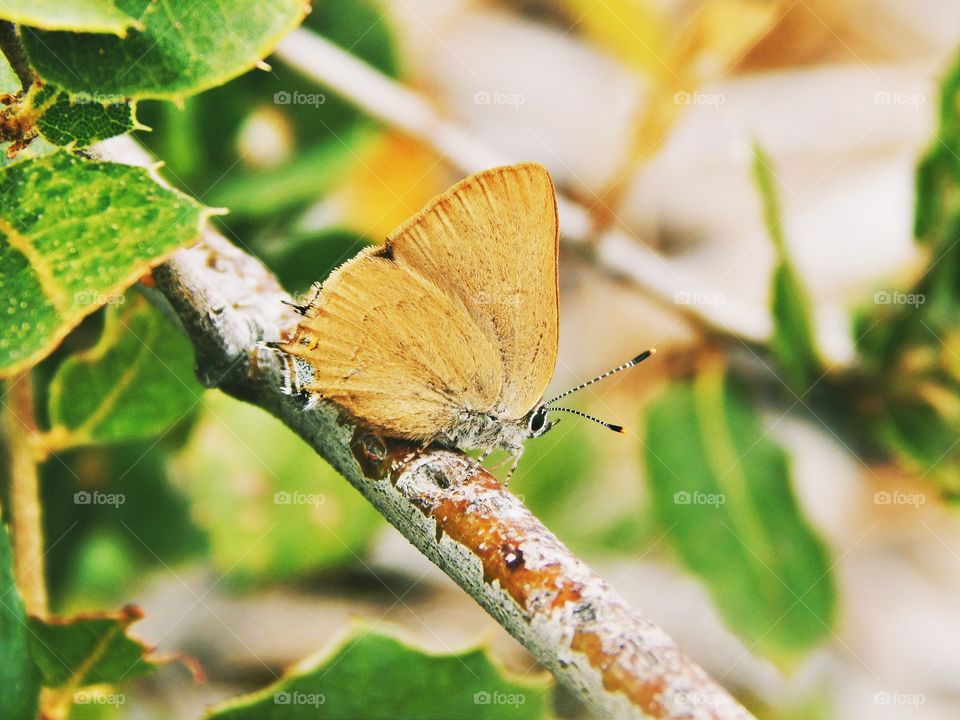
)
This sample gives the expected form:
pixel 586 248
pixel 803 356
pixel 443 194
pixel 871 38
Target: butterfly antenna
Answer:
pixel 636 361
pixel 609 426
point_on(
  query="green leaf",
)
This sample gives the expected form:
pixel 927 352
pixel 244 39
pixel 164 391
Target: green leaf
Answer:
pixel 792 342
pixel 89 650
pixel 909 340
pixel 181 48
pixel 721 490
pixel 73 235
pixel 938 176
pixel 94 16
pixel 85 120
pixel 347 682
pixel 272 508
pixel 141 361
pixel 19 676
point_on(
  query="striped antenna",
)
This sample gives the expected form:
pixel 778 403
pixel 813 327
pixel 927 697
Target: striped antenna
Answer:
pixel 636 361
pixel 609 426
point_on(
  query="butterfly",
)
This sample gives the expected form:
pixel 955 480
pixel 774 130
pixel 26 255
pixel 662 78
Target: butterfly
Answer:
pixel 448 332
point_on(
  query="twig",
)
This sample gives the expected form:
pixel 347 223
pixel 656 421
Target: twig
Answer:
pixel 408 111
pixel 25 514
pixel 456 513
pixel 12 48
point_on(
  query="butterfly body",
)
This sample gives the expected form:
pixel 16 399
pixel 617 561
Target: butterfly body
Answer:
pixel 448 332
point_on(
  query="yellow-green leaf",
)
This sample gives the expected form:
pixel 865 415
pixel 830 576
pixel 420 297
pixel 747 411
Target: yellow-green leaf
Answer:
pixel 94 16
pixel 73 235
pixel 137 381
pixel 347 682
pixel 181 47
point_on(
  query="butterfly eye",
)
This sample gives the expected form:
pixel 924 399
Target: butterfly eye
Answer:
pixel 537 421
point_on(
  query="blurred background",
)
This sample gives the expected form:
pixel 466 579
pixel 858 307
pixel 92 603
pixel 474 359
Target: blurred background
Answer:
pixel 766 191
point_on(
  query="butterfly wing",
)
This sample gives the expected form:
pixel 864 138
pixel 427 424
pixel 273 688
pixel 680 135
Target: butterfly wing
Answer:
pixel 491 241
pixel 393 349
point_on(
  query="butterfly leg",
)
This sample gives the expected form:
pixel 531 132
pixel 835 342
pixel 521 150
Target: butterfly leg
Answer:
pixel 516 461
pixel 413 454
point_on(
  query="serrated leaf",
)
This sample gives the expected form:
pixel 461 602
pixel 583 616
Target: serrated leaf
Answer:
pixel 95 16
pixel 793 340
pixel 19 676
pixel 136 382
pixel 80 122
pixel 89 649
pixel 721 491
pixel 183 47
pixel 347 682
pixel 271 507
pixel 73 235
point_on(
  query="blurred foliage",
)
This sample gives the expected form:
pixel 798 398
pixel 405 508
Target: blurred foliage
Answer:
pixel 113 222
pixel 141 361
pixel 792 343
pixel 909 341
pixel 19 676
pixel 721 491
pixel 108 549
pixel 271 507
pixel 347 682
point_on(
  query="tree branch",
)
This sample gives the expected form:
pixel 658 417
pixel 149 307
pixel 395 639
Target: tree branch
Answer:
pixel 26 518
pixel 453 511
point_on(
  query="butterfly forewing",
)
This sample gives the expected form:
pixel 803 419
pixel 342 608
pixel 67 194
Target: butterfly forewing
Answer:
pixel 491 241
pixel 457 312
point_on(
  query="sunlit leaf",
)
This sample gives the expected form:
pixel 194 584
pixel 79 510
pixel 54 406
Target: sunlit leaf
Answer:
pixel 347 682
pixel 181 47
pixel 95 16
pixel 73 235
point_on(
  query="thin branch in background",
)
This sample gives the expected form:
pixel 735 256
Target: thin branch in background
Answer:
pixel 453 511
pixel 26 519
pixel 614 251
